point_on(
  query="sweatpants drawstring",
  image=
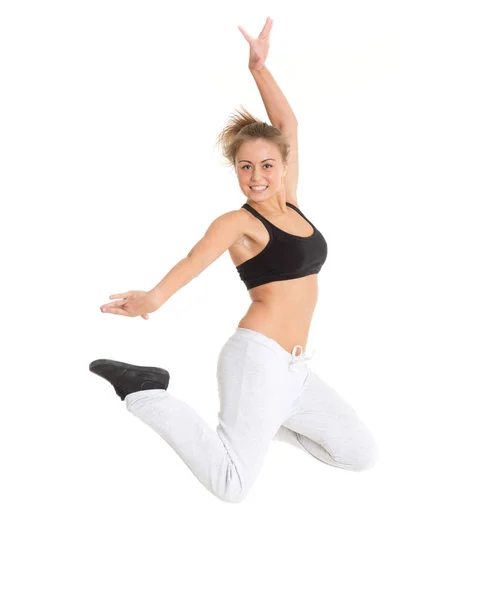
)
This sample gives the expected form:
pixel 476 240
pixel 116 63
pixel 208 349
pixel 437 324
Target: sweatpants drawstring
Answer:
pixel 302 357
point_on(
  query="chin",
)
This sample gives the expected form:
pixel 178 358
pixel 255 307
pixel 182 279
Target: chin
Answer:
pixel 260 197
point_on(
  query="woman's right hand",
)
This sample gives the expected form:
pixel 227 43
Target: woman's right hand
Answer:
pixel 132 304
pixel 258 48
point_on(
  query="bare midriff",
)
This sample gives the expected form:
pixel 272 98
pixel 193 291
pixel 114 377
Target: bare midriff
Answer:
pixel 280 310
pixel 283 310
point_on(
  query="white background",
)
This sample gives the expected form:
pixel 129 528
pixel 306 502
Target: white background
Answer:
pixel 109 176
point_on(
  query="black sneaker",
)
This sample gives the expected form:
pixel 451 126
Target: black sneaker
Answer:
pixel 127 379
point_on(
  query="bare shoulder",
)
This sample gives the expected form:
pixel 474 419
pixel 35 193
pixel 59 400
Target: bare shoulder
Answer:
pixel 232 224
pixel 223 233
pixel 235 218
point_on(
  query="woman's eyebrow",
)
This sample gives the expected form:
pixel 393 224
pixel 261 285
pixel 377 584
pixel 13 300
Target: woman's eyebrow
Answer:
pixel 243 160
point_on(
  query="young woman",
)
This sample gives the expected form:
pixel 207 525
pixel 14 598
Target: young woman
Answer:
pixel 266 388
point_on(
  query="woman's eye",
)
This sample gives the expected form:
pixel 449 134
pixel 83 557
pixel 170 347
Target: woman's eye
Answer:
pixel 266 165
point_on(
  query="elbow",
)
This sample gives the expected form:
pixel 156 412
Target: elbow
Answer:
pixel 196 264
pixel 201 257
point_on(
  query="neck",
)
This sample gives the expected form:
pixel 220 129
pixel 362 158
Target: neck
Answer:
pixel 272 206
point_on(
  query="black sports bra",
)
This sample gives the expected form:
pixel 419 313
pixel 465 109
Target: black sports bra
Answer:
pixel 286 256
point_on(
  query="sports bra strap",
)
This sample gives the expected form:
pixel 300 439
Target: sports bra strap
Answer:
pixel 267 223
pixel 248 207
pixel 296 209
pixel 258 215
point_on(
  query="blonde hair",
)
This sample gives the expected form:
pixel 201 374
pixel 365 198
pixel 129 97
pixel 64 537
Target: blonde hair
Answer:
pixel 245 127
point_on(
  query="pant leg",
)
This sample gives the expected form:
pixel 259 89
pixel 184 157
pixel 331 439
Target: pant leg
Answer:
pixel 329 429
pixel 288 437
pixel 256 392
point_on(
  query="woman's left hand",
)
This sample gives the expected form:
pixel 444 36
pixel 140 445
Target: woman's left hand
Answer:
pixel 258 49
pixel 132 304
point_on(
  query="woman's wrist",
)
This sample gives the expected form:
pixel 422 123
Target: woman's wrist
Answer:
pixel 155 298
pixel 256 68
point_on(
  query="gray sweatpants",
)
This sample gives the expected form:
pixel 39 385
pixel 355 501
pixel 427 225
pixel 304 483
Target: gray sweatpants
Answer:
pixel 265 393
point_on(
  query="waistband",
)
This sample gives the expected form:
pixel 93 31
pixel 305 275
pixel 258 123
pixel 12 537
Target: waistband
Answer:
pixel 291 358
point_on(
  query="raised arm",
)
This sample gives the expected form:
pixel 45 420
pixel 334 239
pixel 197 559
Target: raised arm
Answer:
pixel 282 117
pixel 279 111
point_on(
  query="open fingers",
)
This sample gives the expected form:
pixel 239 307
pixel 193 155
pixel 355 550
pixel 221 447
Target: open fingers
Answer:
pixel 123 299
pixel 267 27
pixel 264 32
pixel 117 311
pixel 113 304
pixel 248 37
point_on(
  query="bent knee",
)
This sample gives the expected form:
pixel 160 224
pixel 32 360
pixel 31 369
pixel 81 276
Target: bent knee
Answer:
pixel 233 499
pixel 233 495
pixel 231 487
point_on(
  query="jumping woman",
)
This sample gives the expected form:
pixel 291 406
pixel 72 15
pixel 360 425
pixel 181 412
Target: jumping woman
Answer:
pixel 264 382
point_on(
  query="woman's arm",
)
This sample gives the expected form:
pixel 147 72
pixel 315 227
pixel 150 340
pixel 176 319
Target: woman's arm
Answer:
pixel 223 233
pixel 281 116
pixel 279 111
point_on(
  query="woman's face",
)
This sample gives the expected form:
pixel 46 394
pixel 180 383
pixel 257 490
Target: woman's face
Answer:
pixel 258 163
